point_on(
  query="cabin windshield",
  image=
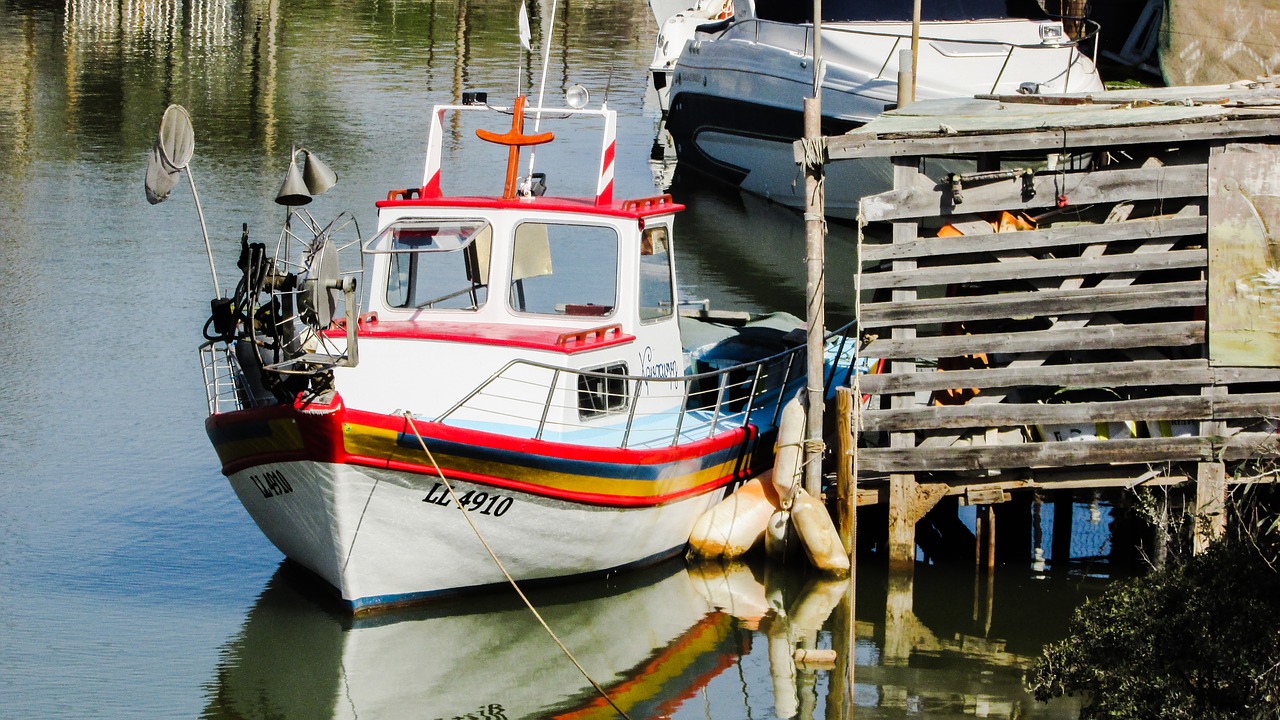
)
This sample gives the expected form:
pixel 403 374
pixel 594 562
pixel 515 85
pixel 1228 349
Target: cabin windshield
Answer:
pixel 657 288
pixel 436 264
pixel 564 269
pixel 789 11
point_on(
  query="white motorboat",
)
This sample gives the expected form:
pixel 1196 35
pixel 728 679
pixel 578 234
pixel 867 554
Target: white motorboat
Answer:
pixel 738 87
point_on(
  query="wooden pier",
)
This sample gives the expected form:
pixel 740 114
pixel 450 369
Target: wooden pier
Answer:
pixel 1069 293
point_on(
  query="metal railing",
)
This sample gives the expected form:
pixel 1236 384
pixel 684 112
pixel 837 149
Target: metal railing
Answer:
pixel 614 410
pixel 800 39
pixel 224 385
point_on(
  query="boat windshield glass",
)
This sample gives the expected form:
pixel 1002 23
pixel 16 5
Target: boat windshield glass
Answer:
pixel 563 269
pixel 657 290
pixel 436 264
pixel 789 11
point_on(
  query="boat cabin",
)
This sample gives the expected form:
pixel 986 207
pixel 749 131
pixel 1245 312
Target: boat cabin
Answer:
pixel 463 290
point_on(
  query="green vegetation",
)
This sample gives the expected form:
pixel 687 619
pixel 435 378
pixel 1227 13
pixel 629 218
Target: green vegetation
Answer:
pixel 1198 638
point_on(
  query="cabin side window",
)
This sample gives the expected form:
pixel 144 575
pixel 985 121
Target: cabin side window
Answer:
pixel 657 290
pixel 442 265
pixel 564 269
pixel 603 393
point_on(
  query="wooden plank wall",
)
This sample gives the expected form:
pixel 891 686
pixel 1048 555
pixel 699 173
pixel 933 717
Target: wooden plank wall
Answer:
pixel 1094 318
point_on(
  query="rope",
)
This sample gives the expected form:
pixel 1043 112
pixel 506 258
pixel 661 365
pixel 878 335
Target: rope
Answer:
pixel 448 486
pixel 352 547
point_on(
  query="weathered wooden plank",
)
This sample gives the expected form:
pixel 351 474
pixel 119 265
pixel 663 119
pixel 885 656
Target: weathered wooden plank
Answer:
pixel 1084 375
pixel 1170 334
pixel 1031 455
pixel 1182 407
pixel 1244 317
pixel 1024 269
pixel 1233 375
pixel 1044 303
pixel 1251 446
pixel 1145 229
pixel 1080 188
pixel 905 174
pixel 1174 407
pixel 861 146
pixel 1247 405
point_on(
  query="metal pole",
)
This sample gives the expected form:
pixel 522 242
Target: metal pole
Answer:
pixel 217 292
pixel 815 284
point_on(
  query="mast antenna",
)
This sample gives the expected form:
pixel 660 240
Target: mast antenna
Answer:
pixel 542 86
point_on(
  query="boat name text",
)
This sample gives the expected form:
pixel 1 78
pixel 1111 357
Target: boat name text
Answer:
pixel 649 368
pixel 492 711
pixel 473 500
pixel 272 483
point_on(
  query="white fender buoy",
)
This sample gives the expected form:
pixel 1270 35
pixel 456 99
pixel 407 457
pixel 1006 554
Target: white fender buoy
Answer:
pixel 818 534
pixel 735 524
pixel 778 535
pixel 790 453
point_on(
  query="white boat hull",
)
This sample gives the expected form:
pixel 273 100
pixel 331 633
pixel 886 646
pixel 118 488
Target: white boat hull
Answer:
pixel 388 537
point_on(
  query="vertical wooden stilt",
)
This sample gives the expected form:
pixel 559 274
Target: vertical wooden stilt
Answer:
pixel 1211 504
pixel 902 521
pixel 991 538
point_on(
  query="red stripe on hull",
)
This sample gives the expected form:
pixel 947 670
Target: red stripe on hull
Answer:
pixel 323 441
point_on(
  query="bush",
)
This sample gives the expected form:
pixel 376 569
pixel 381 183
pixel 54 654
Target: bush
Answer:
pixel 1198 639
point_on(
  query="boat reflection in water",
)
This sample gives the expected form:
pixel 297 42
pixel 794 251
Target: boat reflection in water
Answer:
pixel 648 637
pixel 667 641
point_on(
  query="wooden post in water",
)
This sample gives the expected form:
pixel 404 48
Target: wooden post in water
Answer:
pixel 1211 504
pixel 815 284
pixel 844 635
pixel 846 481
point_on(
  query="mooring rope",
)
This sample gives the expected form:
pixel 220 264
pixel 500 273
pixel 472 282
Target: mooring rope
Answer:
pixel 448 486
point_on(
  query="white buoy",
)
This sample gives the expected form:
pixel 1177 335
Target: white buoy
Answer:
pixel 790 454
pixel 735 524
pixel 778 535
pixel 818 534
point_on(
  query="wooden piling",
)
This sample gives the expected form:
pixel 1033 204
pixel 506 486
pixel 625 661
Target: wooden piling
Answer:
pixel 1211 504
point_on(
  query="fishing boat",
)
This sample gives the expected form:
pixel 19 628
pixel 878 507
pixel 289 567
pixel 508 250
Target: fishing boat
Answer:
pixel 513 395
pixel 737 87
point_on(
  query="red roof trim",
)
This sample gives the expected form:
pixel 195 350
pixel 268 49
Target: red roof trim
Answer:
pixel 628 209
pixel 536 337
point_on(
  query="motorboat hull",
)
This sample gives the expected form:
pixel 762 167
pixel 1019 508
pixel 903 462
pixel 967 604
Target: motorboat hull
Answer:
pixel 736 100
pixel 755 152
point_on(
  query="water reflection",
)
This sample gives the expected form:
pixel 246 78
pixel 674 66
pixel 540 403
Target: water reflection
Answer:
pixel 648 638
pixel 707 641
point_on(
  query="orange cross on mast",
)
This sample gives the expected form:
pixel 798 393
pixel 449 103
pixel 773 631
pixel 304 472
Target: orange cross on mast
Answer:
pixel 514 139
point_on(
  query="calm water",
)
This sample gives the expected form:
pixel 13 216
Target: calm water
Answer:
pixel 133 583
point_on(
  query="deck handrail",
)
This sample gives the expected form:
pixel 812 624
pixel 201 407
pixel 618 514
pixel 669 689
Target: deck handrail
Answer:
pixel 720 383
